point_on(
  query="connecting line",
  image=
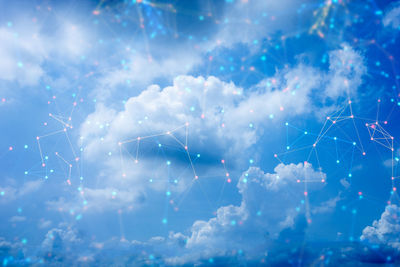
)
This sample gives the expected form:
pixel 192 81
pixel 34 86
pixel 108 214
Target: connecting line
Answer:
pixel 69 165
pixel 168 133
pixel 40 150
pixel 187 153
pixel 150 136
pixel 39 146
pixel 59 120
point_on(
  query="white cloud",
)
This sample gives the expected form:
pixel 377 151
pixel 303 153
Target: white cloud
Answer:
pixel 25 47
pixel 44 223
pixel 392 16
pixel 345 183
pixel 386 230
pixel 346 68
pixel 270 203
pixel 218 114
pixel 140 70
pixel 15 219
pixel 327 206
pixel 22 55
pixel 12 192
pixel 256 20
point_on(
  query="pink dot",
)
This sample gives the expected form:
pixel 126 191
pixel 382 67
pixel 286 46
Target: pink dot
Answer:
pixel 222 161
pixel 10 148
pixel 305 193
pixel 229 180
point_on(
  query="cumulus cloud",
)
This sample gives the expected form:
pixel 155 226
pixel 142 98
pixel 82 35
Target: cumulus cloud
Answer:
pixel 386 230
pixel 139 70
pixel 201 113
pixel 270 203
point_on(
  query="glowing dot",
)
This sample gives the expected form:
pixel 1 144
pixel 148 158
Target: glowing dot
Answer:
pixel 198 155
pixel 168 193
pixel 168 162
pixel 229 180
pixel 164 221
pixel 24 241
pixel 2 193
pixel 25 146
pixel 20 64
pixel 306 193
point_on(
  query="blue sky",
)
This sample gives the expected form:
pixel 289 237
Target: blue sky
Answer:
pixel 207 133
